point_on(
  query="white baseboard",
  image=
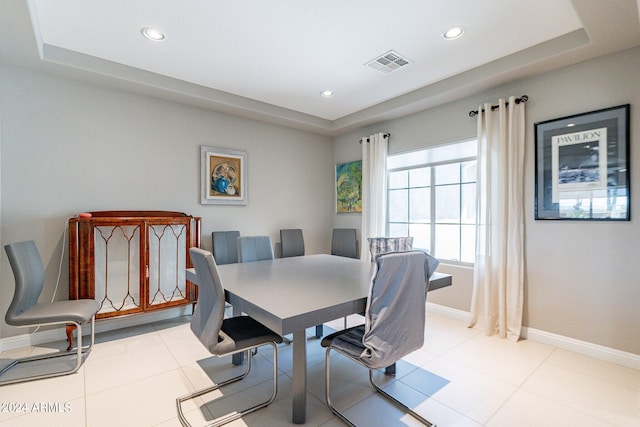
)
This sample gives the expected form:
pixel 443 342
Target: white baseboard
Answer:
pixel 623 358
pixel 58 334
pixel 608 354
pixel 453 313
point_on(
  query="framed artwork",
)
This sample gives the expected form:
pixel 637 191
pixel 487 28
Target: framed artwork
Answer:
pixel 223 176
pixel 582 166
pixel 349 187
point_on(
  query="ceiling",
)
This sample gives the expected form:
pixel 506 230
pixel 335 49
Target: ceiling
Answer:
pixel 270 60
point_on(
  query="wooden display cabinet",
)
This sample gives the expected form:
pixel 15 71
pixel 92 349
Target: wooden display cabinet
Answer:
pixel 131 261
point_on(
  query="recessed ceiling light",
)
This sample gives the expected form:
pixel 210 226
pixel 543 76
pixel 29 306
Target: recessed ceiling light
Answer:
pixel 152 34
pixel 453 33
pixel 326 93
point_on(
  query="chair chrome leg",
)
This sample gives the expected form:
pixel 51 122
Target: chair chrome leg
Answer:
pixel 398 403
pixel 80 350
pixel 9 366
pixel 327 388
pixel 234 415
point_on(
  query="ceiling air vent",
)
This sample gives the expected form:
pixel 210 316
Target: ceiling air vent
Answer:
pixel 388 62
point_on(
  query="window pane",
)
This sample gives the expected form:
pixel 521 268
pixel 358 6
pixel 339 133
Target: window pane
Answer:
pixel 398 179
pixel 398 206
pixel 398 230
pixel 448 242
pixel 420 204
pixel 421 234
pixel 420 177
pixel 468 170
pixel 448 174
pixel 468 215
pixel 448 204
pixel 468 243
pixel 434 199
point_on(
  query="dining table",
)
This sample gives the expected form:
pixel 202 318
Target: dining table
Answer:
pixel 289 295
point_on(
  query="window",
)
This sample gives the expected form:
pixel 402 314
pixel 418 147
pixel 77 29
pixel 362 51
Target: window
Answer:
pixel 432 197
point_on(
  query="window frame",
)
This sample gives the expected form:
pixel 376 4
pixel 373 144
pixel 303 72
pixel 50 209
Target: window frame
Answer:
pixel 432 196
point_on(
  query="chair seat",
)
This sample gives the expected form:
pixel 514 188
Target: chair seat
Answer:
pixel 348 341
pixel 242 332
pixel 79 311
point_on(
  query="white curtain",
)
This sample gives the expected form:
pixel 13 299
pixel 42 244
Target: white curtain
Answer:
pixel 374 190
pixel 497 298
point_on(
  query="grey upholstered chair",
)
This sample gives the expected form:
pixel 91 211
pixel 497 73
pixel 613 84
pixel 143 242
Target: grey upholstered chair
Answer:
pixel 394 321
pixel 222 336
pixel 384 245
pixel 225 246
pixel 254 248
pixel 292 242
pixel 344 243
pixel 26 311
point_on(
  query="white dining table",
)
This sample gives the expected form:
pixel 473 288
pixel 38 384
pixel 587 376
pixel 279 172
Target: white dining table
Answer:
pixel 289 295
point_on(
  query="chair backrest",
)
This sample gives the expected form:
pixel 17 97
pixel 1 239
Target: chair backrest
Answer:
pixel 384 245
pixel 28 272
pixel 254 248
pixel 292 242
pixel 395 312
pixel 208 315
pixel 225 246
pixel 343 242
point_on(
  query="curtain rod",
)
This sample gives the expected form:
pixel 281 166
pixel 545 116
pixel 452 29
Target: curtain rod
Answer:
pixel 523 98
pixel 386 135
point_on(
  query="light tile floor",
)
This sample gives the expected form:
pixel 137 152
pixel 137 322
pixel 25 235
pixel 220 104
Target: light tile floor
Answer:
pixel 459 378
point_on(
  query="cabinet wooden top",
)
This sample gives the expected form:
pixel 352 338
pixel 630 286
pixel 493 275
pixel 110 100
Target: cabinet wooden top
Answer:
pixel 130 215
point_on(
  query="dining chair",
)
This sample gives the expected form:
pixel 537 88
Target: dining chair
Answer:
pixel 225 246
pixel 292 242
pixel 344 243
pixel 383 245
pixel 224 337
pixel 26 311
pixel 394 322
pixel 254 248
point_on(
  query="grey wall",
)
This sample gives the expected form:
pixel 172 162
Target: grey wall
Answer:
pixel 69 147
pixel 582 278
